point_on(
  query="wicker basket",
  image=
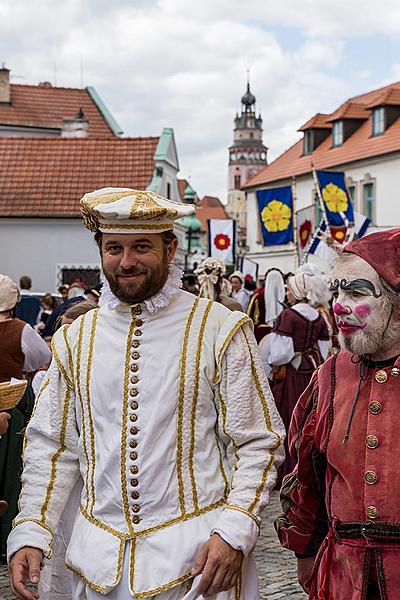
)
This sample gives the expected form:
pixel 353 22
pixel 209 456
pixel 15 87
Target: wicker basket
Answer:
pixel 10 395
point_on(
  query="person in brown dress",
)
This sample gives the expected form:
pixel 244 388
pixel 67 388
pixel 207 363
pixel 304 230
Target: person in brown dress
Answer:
pixel 298 344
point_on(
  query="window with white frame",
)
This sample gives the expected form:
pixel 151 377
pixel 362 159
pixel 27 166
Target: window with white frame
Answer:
pixel 337 133
pixel 378 121
pixel 369 201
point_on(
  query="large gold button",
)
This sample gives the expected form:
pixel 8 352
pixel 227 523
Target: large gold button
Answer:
pixel 371 441
pixel 136 520
pixel 135 508
pixel 134 482
pixel 135 343
pixel 133 443
pixel 137 332
pixel 375 407
pixel 395 372
pixel 133 418
pixel 136 310
pixel 135 495
pixel 134 368
pixel 139 322
pixel 381 376
pixel 133 455
pixel 370 477
pixel 133 392
pixel 134 405
pixel 134 470
pixel 134 379
pixel 135 355
pixel 372 512
pixel 133 430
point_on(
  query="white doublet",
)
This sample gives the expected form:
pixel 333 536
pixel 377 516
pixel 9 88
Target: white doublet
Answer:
pixel 168 419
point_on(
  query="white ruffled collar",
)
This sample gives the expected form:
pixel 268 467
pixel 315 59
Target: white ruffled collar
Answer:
pixel 154 303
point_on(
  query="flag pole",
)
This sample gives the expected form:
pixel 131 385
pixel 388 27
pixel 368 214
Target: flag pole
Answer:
pixel 320 198
pixel 295 236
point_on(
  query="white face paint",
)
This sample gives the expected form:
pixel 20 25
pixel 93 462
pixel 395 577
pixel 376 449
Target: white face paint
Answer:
pixel 361 307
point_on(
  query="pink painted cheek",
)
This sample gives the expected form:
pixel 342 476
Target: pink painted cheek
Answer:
pixel 338 309
pixel 362 311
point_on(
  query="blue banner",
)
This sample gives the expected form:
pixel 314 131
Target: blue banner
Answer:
pixel 275 209
pixel 339 210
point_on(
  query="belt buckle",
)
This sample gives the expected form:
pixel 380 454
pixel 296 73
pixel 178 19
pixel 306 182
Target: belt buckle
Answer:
pixel 367 528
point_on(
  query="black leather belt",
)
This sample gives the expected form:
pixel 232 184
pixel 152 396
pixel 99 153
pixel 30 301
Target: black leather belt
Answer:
pixel 378 531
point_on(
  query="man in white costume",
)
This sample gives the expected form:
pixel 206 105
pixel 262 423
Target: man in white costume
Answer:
pixel 158 402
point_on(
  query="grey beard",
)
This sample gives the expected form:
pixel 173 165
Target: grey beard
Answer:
pixel 375 342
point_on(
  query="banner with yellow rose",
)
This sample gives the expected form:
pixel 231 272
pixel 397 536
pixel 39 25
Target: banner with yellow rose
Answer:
pixel 337 203
pixel 275 209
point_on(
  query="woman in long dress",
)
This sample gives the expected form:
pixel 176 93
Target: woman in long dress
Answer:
pixel 298 344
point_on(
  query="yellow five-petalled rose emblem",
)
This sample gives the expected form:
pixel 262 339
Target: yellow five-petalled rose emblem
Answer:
pixel 276 216
pixel 335 198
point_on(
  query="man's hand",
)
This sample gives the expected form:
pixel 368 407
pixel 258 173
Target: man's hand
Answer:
pixel 25 565
pixel 220 565
pixel 4 418
pixel 304 570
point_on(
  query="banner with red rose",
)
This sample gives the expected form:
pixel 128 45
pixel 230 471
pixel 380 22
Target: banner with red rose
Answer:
pixel 222 239
pixel 305 228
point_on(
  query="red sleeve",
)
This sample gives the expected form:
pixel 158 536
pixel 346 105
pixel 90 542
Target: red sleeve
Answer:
pixel 303 524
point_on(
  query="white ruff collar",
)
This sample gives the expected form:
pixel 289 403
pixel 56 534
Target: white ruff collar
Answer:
pixel 154 303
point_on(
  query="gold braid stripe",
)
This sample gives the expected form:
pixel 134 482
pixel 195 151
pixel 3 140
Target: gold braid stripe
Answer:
pixel 132 565
pixel 181 519
pixel 40 523
pixel 78 379
pixel 269 427
pixel 194 404
pixel 165 587
pixel 89 408
pixel 227 341
pixel 238 585
pixel 93 586
pixel 245 512
pixel 125 402
pixel 60 365
pixel 56 456
pixel 144 532
pixel 221 462
pixel 222 404
pixel 140 226
pixel 181 405
pixel 70 361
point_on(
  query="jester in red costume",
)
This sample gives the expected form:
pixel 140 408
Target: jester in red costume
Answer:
pixel 342 502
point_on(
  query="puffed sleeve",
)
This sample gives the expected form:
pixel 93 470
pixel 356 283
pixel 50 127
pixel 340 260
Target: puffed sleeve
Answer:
pixel 252 432
pixel 50 455
pixel 303 524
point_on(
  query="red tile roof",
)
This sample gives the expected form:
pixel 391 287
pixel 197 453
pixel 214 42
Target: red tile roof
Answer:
pixel 390 97
pixel 47 106
pixel 349 110
pixel 46 177
pixel 360 145
pixel 210 207
pixel 318 121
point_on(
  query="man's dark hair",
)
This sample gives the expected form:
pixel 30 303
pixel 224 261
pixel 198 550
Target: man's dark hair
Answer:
pixel 25 282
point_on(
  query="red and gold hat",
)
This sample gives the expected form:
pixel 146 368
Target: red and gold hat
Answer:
pixel 381 250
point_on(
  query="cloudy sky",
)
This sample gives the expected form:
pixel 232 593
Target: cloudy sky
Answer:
pixel 182 64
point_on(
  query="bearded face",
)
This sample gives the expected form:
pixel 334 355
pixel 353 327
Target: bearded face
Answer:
pixel 362 309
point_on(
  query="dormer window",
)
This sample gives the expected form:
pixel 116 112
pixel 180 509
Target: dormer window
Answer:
pixel 337 133
pixel 378 120
pixel 308 141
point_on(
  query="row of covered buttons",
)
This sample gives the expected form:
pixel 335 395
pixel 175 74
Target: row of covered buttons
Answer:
pixel 134 405
pixel 371 441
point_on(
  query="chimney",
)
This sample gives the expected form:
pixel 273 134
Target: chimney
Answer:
pixel 5 90
pixel 75 128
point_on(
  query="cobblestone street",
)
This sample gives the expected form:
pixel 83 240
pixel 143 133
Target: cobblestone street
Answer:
pixel 276 567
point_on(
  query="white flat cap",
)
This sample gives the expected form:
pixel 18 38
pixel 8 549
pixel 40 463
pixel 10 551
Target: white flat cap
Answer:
pixel 123 210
